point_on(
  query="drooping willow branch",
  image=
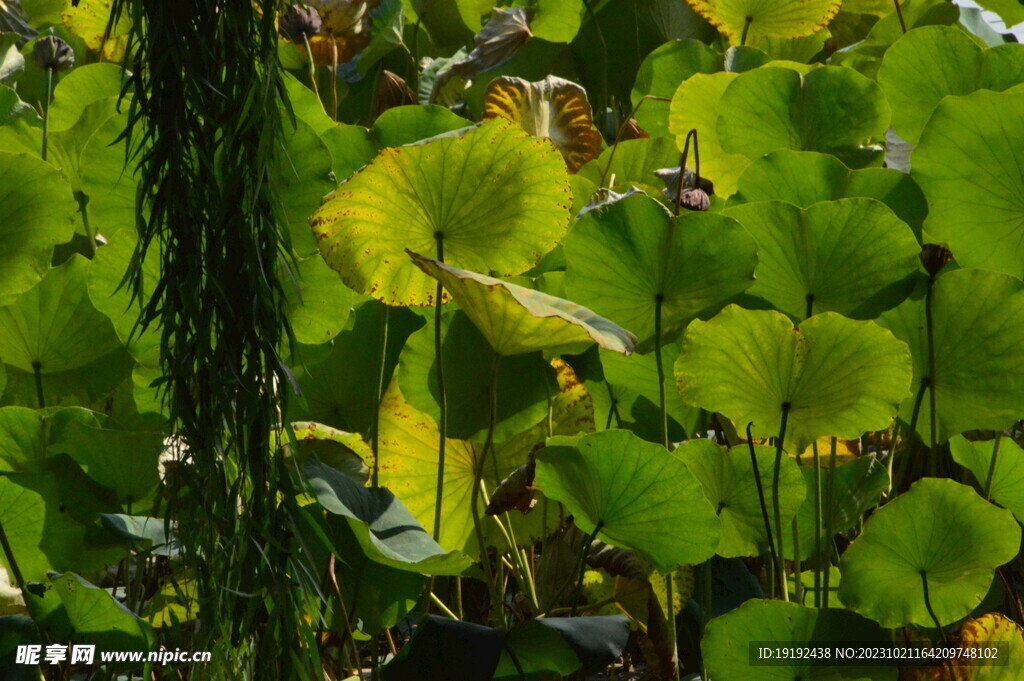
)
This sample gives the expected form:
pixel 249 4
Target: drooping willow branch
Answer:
pixel 206 110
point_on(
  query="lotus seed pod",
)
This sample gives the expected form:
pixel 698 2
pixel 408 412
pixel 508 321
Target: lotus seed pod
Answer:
pixel 934 257
pixel 54 53
pixel 695 199
pixel 299 23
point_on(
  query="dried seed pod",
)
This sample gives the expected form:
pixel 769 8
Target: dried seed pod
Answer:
pixel 299 23
pixel 54 53
pixel 695 199
pixel 935 257
pixel 515 492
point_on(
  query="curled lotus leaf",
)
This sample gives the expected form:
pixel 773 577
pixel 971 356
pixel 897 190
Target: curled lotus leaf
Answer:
pixel 497 41
pixel 554 108
pixel 516 320
pixel 497 200
pixel 748 21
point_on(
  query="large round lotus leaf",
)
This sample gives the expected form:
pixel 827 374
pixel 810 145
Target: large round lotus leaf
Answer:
pixel 726 643
pixel 940 530
pixel 674 62
pixel 696 105
pixel 1008 476
pixel 636 492
pixel 857 487
pixel 385 529
pixel 839 377
pixel 750 20
pixel 829 109
pixel 984 631
pixel 624 257
pixel 517 320
pixel 969 167
pixel 408 465
pixel 978 332
pixel 524 381
pixel 932 62
pixel 804 178
pixel 53 328
pixel 497 198
pixel 727 477
pixel 851 256
pixel 36 214
pixel 301 174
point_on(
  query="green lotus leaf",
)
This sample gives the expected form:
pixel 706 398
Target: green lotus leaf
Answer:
pixel 808 590
pixel 727 477
pixel 109 188
pixel 829 109
pixel 638 374
pixel 26 435
pixel 1005 465
pixel 674 62
pixel 540 652
pixel 932 62
pixel 54 330
pixel 318 304
pixel 697 104
pixel 968 165
pixel 632 163
pixel 385 529
pixel 81 87
pixel 749 20
pixel 123 461
pixel 851 256
pixel 726 642
pixel 98 618
pixel 408 465
pixel 442 648
pixel 633 493
pixel 836 376
pixel 524 381
pixel 38 515
pixel 939 530
pixel 625 257
pixel 410 197
pixel 340 387
pixel 857 487
pixel 36 214
pixel 978 331
pixel 1010 12
pixel 409 124
pixel 557 21
pixel 804 178
pixel 516 320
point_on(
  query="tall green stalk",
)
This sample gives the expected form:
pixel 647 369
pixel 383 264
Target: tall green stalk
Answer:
pixel 780 560
pixel 205 122
pixel 442 421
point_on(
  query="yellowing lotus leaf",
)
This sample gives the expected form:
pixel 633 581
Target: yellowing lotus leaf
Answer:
pixel 496 199
pixel 748 21
pixel 552 108
pixel 89 20
pixel 516 320
pixel 989 629
pixel 407 451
